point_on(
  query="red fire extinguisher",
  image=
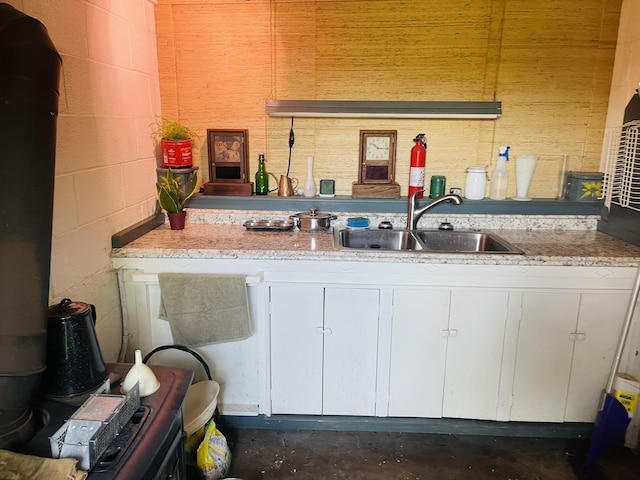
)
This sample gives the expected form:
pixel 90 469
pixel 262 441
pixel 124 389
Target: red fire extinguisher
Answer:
pixel 416 167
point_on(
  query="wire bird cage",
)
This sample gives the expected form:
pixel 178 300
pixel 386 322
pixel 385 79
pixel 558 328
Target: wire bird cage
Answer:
pixel 621 154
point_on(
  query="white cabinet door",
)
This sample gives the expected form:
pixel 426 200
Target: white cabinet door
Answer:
pixel 350 351
pixel 446 352
pixel 296 349
pixel 544 353
pixel 476 333
pixel 418 350
pixel 323 350
pixel 596 337
pixel 566 345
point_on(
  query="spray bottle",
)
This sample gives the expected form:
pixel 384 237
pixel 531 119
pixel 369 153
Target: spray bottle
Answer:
pixel 500 176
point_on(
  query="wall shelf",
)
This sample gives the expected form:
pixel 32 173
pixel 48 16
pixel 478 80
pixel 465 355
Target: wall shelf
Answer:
pixel 383 109
pixel 342 203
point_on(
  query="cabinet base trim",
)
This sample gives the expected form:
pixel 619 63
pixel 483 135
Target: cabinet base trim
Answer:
pixel 445 426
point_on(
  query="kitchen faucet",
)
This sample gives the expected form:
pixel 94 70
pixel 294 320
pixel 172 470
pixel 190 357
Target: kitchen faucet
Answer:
pixel 414 212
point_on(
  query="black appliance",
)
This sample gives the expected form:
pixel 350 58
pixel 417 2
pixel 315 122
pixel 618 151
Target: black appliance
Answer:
pixel 29 79
pixel 149 446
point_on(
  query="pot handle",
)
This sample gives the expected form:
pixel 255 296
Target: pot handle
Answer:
pixel 184 349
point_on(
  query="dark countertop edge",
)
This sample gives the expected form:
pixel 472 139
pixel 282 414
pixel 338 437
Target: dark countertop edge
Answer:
pixel 386 205
pixel 129 234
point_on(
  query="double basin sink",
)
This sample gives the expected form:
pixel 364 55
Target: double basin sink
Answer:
pixel 425 241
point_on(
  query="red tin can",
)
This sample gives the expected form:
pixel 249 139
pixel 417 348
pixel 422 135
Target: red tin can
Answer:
pixel 176 153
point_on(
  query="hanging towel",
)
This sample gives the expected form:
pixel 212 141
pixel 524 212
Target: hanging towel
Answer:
pixel 205 308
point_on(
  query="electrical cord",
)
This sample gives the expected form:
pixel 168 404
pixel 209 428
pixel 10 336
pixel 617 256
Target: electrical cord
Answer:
pixel 292 140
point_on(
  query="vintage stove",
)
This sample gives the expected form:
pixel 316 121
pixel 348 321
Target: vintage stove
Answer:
pixel 149 445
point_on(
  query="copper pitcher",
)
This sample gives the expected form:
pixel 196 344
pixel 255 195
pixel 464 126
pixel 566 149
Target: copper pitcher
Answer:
pixel 286 185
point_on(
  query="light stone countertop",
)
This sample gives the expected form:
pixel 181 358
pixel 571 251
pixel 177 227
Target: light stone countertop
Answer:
pixel 572 242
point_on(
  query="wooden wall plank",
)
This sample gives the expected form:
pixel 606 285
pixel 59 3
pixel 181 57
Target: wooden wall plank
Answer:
pixel 548 62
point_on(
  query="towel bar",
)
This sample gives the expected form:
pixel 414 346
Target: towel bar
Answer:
pixel 252 280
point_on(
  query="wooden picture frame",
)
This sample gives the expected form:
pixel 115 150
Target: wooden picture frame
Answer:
pixel 377 165
pixel 228 163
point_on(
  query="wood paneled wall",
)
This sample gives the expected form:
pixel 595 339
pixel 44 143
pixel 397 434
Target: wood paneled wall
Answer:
pixel 549 63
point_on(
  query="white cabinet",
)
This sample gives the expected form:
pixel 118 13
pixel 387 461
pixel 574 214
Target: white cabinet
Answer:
pixel 477 324
pixel 323 350
pixel 235 365
pixel 418 352
pixel 503 342
pixel 599 324
pixel 446 352
pixel 296 349
pixel 544 352
pixel 565 349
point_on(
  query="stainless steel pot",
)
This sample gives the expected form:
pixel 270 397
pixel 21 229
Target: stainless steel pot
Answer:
pixel 313 221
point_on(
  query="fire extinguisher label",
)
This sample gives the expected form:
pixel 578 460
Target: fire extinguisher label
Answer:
pixel 416 177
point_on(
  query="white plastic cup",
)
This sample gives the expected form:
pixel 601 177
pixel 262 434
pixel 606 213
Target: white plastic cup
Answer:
pixel 525 166
pixel 476 183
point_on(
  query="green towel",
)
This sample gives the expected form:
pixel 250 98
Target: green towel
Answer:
pixel 205 308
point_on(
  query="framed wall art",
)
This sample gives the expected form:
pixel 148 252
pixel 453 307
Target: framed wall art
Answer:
pixel 228 163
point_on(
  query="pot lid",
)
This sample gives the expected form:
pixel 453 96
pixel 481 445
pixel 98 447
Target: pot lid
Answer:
pixel 313 213
pixel 67 309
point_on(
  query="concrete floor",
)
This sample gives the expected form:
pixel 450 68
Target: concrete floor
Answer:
pixel 268 454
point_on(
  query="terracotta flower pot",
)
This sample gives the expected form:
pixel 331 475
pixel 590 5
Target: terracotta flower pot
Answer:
pixel 176 220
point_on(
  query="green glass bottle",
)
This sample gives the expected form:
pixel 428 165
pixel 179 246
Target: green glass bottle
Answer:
pixel 262 177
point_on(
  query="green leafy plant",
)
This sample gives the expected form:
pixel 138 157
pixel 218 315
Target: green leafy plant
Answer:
pixel 170 130
pixel 171 197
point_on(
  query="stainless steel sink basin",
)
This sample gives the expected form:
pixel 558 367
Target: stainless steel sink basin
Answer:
pixel 377 239
pixel 425 241
pixel 464 242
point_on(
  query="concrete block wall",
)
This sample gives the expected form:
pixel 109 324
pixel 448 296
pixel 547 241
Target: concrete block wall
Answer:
pixel 105 157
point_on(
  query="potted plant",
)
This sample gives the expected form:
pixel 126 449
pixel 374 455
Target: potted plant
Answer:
pixel 176 142
pixel 172 198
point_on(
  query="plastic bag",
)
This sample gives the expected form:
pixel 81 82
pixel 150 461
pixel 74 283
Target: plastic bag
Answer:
pixel 191 445
pixel 213 455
